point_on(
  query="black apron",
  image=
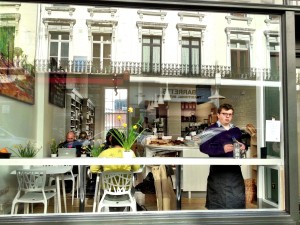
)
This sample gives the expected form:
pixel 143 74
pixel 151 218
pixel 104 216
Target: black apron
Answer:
pixel 225 188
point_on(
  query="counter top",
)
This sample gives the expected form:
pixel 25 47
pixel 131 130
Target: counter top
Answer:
pixel 14 161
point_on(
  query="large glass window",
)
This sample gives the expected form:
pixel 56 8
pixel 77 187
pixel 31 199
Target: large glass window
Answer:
pixel 172 69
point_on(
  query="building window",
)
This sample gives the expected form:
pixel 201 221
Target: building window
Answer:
pixel 115 105
pixel 101 50
pixel 190 56
pixel 274 61
pixel 151 54
pixel 240 58
pixel 59 50
pixel 294 2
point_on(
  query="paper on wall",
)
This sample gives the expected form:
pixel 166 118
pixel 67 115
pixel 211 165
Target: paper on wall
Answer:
pixel 273 130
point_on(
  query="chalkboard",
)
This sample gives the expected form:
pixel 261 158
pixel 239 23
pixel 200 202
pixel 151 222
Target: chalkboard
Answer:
pixel 57 89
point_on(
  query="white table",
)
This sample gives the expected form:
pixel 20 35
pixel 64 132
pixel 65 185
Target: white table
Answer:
pixel 58 172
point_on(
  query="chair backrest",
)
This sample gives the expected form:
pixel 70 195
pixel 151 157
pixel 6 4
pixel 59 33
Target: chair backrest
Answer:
pixel 31 180
pixel 117 182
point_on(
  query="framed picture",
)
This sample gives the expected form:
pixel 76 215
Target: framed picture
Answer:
pixel 17 82
pixel 57 88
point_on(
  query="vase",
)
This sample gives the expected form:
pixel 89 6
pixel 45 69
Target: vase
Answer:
pixel 53 155
pixel 128 154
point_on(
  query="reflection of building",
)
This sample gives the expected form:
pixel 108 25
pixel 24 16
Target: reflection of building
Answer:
pixel 160 45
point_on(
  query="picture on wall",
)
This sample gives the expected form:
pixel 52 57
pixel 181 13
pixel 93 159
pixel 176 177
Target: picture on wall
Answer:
pixel 17 77
pixel 16 81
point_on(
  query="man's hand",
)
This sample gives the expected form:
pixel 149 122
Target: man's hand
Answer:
pixel 228 148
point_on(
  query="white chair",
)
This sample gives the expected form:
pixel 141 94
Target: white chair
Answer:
pixel 31 190
pixel 116 187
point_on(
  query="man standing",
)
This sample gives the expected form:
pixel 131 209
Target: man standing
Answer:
pixel 225 184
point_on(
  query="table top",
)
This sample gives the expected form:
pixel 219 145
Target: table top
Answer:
pixel 14 161
pixel 51 170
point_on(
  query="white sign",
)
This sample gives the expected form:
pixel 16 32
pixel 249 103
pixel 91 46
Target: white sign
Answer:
pixel 273 130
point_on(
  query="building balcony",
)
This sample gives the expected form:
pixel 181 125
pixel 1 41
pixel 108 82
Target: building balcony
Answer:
pixel 170 70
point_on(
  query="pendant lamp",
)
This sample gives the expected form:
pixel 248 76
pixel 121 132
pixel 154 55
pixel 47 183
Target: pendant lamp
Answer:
pixel 150 107
pixel 216 95
pixel 167 96
pixel 160 98
pixel 155 104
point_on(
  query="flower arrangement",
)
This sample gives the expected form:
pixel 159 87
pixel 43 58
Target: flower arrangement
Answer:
pixel 53 146
pixel 27 150
pixel 127 137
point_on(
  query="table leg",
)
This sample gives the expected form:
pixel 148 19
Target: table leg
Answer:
pixel 58 193
pixel 178 187
pixel 82 187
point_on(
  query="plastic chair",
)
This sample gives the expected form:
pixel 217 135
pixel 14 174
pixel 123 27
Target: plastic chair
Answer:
pixel 31 190
pixel 117 190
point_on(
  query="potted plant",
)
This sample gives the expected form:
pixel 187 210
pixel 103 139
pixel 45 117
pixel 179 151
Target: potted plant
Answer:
pixel 28 150
pixel 127 137
pixel 96 150
pixel 53 148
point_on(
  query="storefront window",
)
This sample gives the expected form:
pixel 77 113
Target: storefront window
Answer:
pixel 173 68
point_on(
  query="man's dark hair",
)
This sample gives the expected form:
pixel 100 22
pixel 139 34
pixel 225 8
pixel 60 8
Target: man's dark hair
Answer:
pixel 226 107
pixel 83 135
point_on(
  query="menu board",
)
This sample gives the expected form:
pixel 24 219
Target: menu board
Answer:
pixel 57 89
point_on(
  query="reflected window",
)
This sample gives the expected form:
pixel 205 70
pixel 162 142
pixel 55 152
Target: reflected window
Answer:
pixel 151 54
pixel 59 50
pixel 101 52
pixel 294 2
pixel 190 55
pixel 240 58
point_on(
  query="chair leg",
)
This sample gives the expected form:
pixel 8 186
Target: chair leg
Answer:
pixel 73 190
pixel 14 208
pixel 45 207
pixel 26 208
pixel 96 197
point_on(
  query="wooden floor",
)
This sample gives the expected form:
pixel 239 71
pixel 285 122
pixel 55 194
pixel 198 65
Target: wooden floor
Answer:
pixel 195 203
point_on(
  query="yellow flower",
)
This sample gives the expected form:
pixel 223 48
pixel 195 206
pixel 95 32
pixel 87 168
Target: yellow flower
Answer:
pixel 130 109
pixel 134 127
pixel 119 117
pixel 124 124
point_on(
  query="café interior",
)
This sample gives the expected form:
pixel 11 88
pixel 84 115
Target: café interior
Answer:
pixel 86 68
